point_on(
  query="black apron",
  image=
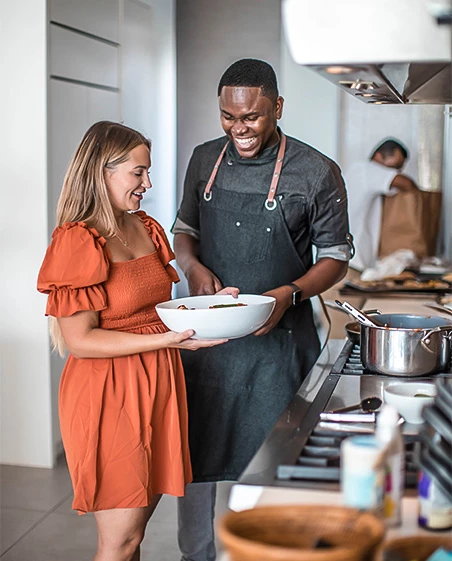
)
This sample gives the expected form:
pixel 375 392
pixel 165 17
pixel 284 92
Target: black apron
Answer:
pixel 237 391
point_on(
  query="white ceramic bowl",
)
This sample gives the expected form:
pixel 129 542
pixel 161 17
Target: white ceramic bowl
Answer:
pixel 402 397
pixel 217 323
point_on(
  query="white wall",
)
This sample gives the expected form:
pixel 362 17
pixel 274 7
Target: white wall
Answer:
pixel 156 113
pixel 26 423
pixel 29 374
pixel 418 127
pixel 311 107
pixel 211 35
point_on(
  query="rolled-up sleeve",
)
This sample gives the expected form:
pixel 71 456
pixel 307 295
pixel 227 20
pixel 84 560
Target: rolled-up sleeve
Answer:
pixel 180 227
pixel 188 213
pixel 339 252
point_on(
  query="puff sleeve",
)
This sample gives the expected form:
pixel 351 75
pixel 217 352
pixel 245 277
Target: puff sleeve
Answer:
pixel 73 270
pixel 162 246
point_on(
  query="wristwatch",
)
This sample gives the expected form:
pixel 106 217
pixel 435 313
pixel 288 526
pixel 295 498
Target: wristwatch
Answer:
pixel 297 293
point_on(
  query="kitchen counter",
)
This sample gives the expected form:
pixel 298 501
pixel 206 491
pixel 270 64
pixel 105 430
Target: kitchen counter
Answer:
pixel 257 487
pixel 289 431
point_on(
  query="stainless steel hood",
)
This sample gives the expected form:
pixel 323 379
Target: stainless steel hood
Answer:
pixel 390 51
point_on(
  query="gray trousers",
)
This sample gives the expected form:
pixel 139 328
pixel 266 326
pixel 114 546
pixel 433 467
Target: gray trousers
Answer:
pixel 195 514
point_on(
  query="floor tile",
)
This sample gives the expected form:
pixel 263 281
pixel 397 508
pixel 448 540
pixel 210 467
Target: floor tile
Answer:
pixel 66 506
pixel 166 511
pixel 160 542
pixel 34 488
pixel 58 537
pixel 14 523
pixel 32 494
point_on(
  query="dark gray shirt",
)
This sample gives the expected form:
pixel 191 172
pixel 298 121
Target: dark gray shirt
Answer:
pixel 311 193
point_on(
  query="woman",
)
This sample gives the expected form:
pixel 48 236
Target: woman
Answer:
pixel 122 400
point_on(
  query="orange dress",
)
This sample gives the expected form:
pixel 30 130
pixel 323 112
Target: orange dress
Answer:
pixel 123 420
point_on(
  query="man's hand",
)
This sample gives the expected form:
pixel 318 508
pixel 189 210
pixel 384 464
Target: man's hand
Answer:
pixel 283 296
pixel 201 280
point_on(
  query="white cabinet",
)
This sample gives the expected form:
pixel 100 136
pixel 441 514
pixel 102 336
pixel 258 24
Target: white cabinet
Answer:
pixel 99 17
pixel 77 57
pixel 73 109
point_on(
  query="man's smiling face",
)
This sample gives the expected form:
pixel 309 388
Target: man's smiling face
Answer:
pixel 249 119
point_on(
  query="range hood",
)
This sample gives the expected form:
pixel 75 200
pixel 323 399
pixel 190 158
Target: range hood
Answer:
pixel 387 51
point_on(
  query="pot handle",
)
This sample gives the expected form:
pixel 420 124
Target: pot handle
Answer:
pixel 426 338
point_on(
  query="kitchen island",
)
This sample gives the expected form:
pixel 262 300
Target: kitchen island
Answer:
pixel 259 485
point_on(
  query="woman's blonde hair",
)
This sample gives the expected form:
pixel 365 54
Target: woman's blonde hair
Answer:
pixel 84 196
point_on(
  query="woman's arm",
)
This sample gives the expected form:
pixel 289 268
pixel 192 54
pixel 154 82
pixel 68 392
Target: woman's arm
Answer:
pixel 85 339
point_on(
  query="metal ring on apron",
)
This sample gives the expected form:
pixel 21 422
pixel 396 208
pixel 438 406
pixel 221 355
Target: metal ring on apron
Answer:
pixel 268 203
pixel 349 240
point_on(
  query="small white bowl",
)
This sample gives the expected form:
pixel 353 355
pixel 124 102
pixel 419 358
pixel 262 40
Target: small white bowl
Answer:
pixel 402 397
pixel 217 323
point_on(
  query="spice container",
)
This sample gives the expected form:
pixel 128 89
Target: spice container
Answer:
pixel 362 473
pixel 435 509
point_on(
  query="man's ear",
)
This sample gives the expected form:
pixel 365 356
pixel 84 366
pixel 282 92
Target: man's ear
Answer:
pixel 279 107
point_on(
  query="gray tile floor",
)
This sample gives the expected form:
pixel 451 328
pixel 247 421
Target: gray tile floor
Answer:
pixel 38 524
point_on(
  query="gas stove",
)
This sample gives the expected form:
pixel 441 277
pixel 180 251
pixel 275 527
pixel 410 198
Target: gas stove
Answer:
pixel 303 451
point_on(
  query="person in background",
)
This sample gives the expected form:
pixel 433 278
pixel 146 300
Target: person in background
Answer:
pixel 255 203
pixel 122 401
pixel 366 183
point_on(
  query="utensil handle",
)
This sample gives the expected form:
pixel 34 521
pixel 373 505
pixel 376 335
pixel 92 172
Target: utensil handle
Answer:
pixel 346 409
pixel 356 313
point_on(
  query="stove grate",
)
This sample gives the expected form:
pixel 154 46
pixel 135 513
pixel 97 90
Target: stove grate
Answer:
pixel 319 459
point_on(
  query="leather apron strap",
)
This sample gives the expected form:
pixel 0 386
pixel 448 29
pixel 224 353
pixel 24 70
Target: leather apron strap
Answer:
pixel 270 203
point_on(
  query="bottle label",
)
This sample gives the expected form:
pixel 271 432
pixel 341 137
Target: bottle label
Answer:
pixel 393 489
pixel 364 491
pixel 362 473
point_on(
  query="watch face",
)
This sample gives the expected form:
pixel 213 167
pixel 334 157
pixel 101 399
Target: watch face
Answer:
pixel 296 297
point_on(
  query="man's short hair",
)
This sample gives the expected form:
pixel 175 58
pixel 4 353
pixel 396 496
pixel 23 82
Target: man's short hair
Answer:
pixel 388 147
pixel 251 73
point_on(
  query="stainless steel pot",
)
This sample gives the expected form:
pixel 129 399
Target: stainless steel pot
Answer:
pixel 408 345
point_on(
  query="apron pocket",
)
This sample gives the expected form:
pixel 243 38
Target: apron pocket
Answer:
pixel 250 238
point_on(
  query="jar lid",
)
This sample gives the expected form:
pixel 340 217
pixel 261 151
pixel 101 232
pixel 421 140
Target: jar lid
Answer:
pixel 360 452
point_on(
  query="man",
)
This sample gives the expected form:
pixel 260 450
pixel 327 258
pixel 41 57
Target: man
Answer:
pixel 254 204
pixel 366 183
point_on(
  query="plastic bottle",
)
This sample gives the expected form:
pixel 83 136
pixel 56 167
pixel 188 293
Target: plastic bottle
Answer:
pixel 389 435
pixel 362 474
pixel 435 508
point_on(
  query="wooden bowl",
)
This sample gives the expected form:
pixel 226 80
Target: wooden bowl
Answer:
pixel 415 548
pixel 289 532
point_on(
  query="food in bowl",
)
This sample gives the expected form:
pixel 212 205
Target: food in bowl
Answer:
pixel 217 316
pixel 410 398
pixel 227 305
pixel 183 307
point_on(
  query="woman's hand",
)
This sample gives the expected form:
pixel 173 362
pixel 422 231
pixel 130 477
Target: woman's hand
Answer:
pixel 232 290
pixel 183 341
